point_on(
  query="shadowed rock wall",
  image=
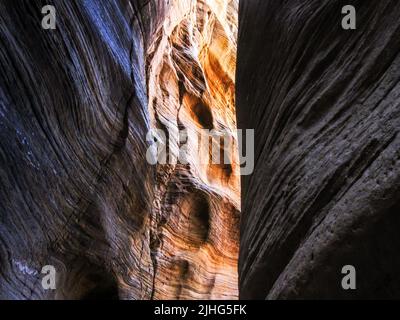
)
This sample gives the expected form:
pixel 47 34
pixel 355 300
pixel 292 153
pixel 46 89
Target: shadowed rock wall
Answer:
pixel 75 185
pixel 324 103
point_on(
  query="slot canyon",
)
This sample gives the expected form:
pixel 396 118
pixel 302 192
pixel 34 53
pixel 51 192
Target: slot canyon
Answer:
pixel 77 190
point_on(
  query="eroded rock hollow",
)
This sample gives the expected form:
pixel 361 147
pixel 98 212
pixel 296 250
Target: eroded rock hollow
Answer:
pixel 77 190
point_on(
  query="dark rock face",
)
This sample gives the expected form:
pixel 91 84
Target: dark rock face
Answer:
pixel 75 184
pixel 324 103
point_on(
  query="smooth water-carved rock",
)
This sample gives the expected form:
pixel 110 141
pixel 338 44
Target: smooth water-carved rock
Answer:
pixel 324 103
pixel 77 191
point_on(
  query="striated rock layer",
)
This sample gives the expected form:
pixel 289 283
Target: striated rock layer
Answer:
pixel 77 191
pixel 324 103
pixel 195 217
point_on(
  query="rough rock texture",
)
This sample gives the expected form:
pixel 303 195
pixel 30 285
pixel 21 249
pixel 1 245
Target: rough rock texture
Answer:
pixel 76 190
pixel 195 217
pixel 324 103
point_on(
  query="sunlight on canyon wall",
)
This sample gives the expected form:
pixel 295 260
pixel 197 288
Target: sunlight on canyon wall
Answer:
pixel 194 229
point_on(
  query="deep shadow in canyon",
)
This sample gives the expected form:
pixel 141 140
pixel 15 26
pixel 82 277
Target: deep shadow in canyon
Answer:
pixel 78 193
pixel 324 103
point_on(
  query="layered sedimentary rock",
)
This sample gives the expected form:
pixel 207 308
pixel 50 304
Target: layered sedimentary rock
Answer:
pixel 324 103
pixel 77 191
pixel 195 217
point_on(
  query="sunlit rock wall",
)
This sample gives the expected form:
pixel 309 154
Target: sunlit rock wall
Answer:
pixel 190 68
pixel 77 191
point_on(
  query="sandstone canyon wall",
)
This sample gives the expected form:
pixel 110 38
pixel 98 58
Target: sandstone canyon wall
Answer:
pixel 324 103
pixel 195 215
pixel 77 191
